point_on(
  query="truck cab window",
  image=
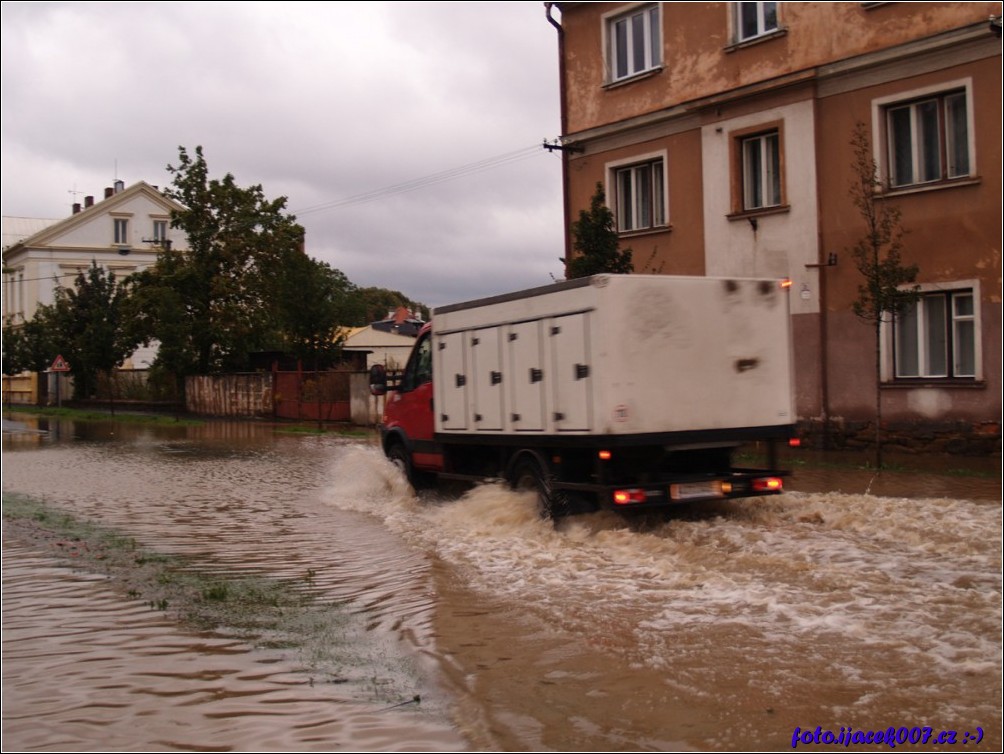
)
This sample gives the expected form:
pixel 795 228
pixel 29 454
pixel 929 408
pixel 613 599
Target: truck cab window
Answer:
pixel 419 369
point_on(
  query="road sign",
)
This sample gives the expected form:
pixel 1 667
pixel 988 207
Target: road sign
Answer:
pixel 59 365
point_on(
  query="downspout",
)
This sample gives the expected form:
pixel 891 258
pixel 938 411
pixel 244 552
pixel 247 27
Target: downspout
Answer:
pixel 821 267
pixel 562 92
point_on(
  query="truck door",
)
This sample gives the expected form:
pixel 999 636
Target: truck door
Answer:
pixel 526 376
pixel 486 375
pixel 413 405
pixel 571 371
pixel 451 381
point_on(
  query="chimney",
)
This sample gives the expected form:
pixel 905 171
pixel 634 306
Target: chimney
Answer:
pixel 119 185
pixel 88 201
pixel 76 207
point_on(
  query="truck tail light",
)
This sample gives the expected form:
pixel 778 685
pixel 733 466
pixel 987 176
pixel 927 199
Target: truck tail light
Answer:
pixel 768 484
pixel 795 442
pixel 605 455
pixel 629 497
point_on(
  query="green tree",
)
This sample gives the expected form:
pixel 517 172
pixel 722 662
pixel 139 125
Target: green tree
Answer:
pixel 87 325
pixel 887 290
pixel 316 302
pixel 31 346
pixel 213 303
pixel 375 303
pixel 595 242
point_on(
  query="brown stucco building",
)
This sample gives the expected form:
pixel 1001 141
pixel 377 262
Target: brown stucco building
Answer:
pixel 721 135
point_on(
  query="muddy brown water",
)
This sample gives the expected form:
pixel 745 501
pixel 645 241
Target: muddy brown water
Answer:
pixel 854 601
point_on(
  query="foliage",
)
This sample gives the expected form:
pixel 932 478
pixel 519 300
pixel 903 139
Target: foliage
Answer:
pixel 596 243
pixel 31 346
pixel 886 290
pixel 85 325
pixel 375 303
pixel 316 301
pixel 213 303
pixel 878 253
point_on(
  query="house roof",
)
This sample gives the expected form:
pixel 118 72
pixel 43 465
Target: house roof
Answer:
pixel 50 232
pixel 16 229
pixel 369 337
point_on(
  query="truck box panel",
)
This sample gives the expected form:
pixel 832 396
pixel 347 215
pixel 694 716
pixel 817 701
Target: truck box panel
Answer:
pixel 632 354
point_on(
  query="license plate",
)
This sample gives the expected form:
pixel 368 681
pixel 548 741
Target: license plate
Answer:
pixel 693 490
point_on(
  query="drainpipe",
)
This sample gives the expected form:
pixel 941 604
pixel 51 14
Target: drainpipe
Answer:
pixel 562 91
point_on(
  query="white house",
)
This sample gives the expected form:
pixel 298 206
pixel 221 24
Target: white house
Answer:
pixel 124 232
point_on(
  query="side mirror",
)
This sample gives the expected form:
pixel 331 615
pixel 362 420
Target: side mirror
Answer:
pixel 378 380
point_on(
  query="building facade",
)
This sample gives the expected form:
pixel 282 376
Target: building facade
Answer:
pixel 721 134
pixel 123 232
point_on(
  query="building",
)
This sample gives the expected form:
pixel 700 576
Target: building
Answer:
pixel 124 232
pixel 721 135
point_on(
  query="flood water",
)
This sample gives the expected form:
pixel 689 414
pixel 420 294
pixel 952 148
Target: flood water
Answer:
pixel 854 600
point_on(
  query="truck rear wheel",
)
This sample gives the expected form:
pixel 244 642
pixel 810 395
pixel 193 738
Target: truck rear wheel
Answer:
pixel 528 476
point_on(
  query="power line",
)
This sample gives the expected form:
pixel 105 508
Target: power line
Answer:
pixel 489 163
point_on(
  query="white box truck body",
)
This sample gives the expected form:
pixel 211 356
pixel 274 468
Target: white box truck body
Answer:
pixel 627 390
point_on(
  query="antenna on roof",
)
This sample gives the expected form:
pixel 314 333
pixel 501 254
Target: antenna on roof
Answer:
pixel 74 191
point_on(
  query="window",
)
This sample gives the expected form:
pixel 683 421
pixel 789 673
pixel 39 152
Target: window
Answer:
pixel 159 232
pixel 121 231
pixel 640 196
pixel 928 139
pixel 761 170
pixel 419 368
pixel 634 42
pixel 754 20
pixel 937 337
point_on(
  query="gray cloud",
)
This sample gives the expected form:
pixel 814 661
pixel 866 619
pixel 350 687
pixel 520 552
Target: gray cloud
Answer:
pixel 319 102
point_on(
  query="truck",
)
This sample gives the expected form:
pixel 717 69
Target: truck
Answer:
pixel 628 392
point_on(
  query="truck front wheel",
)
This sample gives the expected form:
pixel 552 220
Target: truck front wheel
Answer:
pixel 528 476
pixel 397 454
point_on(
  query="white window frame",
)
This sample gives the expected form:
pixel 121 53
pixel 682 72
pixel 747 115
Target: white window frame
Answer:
pixel 762 184
pixel 160 228
pixel 120 226
pixel 631 219
pixel 884 110
pixel 923 338
pixel 639 55
pixel 762 29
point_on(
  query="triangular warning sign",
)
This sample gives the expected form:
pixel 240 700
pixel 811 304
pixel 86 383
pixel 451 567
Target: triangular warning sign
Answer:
pixel 59 365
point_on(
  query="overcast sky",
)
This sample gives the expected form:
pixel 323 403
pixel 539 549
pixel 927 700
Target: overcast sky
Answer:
pixel 406 136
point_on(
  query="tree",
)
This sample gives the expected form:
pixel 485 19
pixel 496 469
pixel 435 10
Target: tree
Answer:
pixel 596 242
pixel 886 291
pixel 28 347
pixel 213 303
pixel 316 302
pixel 86 323
pixel 375 303
pixel 31 346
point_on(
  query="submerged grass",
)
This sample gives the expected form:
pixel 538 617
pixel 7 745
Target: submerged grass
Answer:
pixel 266 612
pixel 126 416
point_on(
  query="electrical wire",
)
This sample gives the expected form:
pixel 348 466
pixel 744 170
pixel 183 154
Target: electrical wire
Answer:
pixel 489 163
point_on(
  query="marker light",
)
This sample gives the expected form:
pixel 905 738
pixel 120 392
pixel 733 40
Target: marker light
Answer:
pixel 768 484
pixel 627 497
pixel 605 455
pixel 795 442
pixel 786 283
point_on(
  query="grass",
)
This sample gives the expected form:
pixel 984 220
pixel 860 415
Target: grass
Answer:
pixel 313 429
pixel 270 613
pixel 170 420
pixel 86 415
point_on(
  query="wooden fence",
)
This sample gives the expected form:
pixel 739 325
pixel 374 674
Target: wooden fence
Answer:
pixel 297 395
